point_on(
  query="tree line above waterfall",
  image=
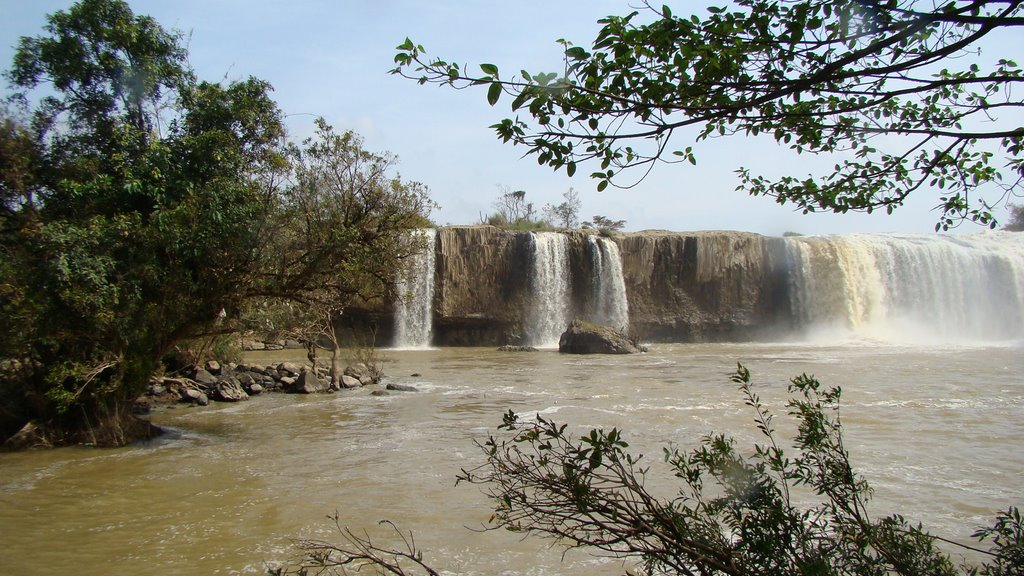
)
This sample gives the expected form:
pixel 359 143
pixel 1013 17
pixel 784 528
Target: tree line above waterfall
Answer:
pixel 512 211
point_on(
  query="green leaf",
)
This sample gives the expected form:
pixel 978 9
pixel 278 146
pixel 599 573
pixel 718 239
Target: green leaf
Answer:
pixel 489 69
pixel 577 53
pixel 493 93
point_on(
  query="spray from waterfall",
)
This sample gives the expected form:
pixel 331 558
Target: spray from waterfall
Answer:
pixel 552 300
pixel 910 288
pixel 608 302
pixel 414 308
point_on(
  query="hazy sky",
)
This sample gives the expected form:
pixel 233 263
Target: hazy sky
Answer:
pixel 330 58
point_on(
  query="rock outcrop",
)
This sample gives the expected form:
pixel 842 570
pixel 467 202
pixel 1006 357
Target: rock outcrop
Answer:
pixel 482 285
pixel 587 338
pixel 703 286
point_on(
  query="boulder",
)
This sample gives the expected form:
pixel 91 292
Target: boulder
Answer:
pixel 253 369
pixel 213 367
pixel 307 383
pixel 288 369
pixel 29 437
pixel 350 381
pixel 586 338
pixel 193 396
pixel 401 388
pixel 204 378
pixel 164 390
pixel 229 389
pixel 357 370
pixel 255 389
pixel 253 345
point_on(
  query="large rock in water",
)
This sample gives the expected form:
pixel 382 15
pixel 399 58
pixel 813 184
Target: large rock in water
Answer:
pixel 307 383
pixel 229 389
pixel 586 338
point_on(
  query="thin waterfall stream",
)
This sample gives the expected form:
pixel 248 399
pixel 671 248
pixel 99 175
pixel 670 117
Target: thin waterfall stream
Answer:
pixel 552 299
pixel 414 308
pixel 610 305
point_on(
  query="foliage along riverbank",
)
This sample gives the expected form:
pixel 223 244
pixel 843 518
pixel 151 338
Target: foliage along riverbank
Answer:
pixel 216 382
pixel 141 207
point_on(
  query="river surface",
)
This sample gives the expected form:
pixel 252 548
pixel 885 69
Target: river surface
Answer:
pixel 938 432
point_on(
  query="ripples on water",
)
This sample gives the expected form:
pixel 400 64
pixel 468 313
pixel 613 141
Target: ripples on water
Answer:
pixel 936 431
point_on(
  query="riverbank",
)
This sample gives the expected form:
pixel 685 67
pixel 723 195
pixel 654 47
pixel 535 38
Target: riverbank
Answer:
pixel 232 382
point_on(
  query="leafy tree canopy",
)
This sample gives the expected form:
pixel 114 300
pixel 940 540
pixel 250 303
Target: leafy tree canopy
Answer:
pixel 141 207
pixel 897 90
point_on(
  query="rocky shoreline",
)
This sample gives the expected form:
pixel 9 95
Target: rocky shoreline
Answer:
pixel 230 382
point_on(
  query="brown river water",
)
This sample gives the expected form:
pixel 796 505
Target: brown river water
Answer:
pixel 938 432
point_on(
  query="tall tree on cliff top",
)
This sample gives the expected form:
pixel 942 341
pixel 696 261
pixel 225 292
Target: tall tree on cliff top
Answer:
pixel 898 90
pixel 142 207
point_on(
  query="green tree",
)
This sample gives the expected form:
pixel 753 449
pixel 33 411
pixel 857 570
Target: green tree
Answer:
pixel 604 224
pixel 512 211
pixel 895 89
pixel 567 213
pixel 769 509
pixel 341 233
pixel 128 228
pixel 143 207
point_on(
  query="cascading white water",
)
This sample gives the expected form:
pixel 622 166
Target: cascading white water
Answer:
pixel 922 288
pixel 609 306
pixel 550 282
pixel 414 308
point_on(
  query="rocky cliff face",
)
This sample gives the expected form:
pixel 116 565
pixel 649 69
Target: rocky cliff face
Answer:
pixel 482 278
pixel 703 286
pixel 684 287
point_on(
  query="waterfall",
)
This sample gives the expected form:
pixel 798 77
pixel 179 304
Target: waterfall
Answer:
pixel 920 288
pixel 414 308
pixel 609 305
pixel 552 303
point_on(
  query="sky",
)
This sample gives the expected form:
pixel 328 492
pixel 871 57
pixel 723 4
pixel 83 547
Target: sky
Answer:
pixel 331 58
